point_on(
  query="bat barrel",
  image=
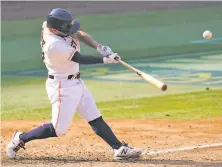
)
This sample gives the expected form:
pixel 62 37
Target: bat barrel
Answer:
pixel 150 79
pixel 164 87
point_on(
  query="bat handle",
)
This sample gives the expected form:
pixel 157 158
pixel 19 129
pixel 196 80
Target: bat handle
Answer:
pixel 116 58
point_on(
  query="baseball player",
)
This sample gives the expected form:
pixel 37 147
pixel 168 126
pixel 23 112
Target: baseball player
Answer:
pixel 60 38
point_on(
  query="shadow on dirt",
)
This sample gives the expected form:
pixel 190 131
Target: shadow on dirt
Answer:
pixel 49 160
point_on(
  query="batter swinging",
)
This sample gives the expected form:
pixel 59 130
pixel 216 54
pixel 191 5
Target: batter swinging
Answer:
pixel 61 35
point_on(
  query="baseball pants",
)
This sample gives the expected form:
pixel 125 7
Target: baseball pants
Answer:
pixel 68 97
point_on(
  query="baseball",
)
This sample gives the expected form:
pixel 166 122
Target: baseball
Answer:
pixel 207 34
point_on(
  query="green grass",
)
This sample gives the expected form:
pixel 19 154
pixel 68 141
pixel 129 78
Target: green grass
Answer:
pixel 29 101
pixel 196 105
pixel 132 35
pixel 36 62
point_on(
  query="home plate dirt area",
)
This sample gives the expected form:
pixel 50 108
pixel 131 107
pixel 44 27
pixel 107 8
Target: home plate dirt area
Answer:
pixel 81 147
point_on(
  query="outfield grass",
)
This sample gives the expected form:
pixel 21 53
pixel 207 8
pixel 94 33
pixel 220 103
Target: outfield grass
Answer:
pixel 195 105
pixel 29 101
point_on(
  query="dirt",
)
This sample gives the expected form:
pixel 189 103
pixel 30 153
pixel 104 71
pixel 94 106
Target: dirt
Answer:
pixel 81 147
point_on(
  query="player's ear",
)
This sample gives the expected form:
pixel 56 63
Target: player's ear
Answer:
pixel 53 30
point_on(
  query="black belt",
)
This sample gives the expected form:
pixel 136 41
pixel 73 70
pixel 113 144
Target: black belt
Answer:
pixel 69 77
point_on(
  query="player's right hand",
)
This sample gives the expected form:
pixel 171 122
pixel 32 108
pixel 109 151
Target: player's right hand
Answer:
pixel 113 58
pixel 104 50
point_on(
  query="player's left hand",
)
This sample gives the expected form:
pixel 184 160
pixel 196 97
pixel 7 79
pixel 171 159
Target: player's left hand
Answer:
pixel 113 58
pixel 104 50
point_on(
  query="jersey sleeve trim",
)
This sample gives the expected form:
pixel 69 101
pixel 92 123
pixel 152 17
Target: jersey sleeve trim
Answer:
pixel 72 54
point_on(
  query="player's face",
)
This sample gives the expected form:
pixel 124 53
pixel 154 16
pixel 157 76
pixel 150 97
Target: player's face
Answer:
pixel 56 32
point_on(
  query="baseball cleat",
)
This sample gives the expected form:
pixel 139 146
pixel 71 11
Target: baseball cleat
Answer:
pixel 126 152
pixel 14 145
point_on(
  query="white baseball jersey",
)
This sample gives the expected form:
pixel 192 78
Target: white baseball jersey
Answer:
pixel 66 96
pixel 57 53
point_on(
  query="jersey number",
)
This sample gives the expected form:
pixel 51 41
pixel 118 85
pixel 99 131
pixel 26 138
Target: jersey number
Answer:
pixel 42 44
pixel 73 44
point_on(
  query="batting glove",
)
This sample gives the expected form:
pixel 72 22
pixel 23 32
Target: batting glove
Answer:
pixel 104 50
pixel 113 58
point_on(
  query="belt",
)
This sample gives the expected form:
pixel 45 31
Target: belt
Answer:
pixel 68 78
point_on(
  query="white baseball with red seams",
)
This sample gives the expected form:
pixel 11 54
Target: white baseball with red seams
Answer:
pixel 207 34
pixel 66 96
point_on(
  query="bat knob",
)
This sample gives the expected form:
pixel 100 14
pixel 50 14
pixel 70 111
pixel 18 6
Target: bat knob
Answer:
pixel 164 87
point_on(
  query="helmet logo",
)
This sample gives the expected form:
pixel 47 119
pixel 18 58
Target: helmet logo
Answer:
pixel 73 21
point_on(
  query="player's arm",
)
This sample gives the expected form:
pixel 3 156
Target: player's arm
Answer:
pixel 86 59
pixel 87 39
pixel 60 53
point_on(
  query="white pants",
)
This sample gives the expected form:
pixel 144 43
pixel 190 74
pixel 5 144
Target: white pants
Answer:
pixel 68 97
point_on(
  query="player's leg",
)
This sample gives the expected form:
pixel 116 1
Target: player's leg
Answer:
pixel 89 111
pixel 65 99
pixel 19 139
pixel 62 114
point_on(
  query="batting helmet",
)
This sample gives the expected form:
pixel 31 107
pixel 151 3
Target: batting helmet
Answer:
pixel 62 21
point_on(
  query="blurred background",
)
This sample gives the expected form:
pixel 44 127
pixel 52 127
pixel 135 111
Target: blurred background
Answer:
pixel 134 29
pixel 163 39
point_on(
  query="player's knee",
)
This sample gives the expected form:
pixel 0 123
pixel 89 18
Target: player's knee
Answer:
pixel 60 131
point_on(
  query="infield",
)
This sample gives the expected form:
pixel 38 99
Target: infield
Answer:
pixel 81 148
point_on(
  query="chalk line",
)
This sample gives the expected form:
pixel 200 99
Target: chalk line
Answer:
pixel 181 149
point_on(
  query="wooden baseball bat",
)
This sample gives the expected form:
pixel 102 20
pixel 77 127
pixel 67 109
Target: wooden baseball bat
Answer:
pixel 155 82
